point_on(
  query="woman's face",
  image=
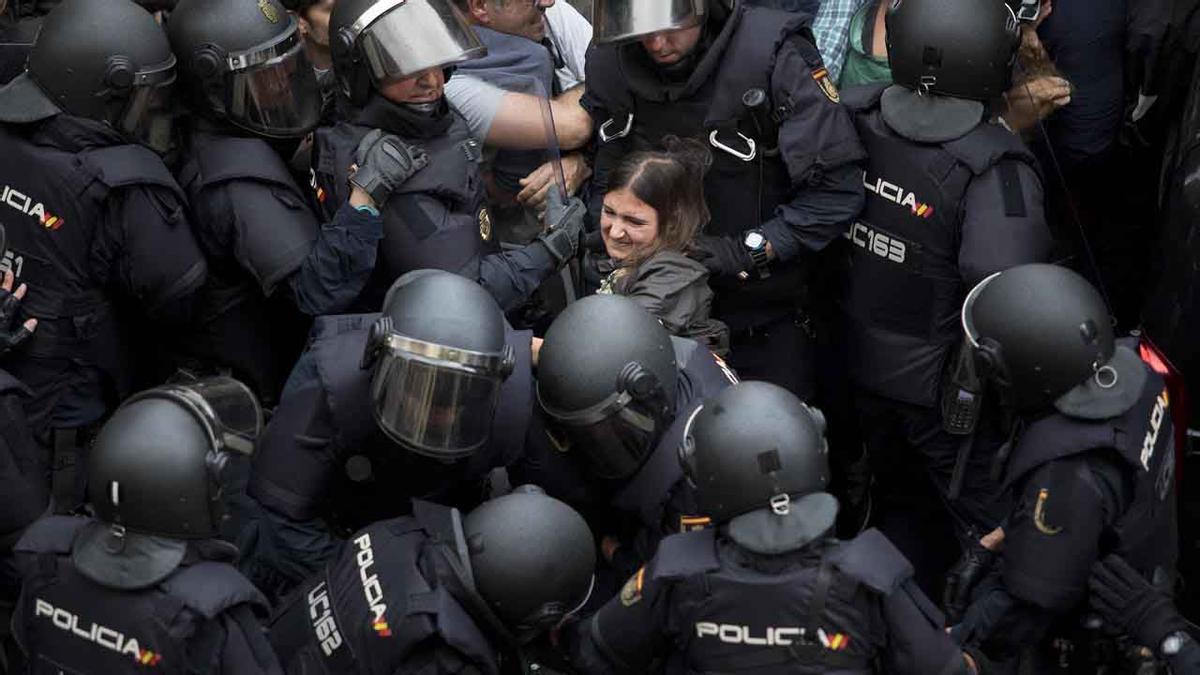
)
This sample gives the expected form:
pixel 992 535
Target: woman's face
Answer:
pixel 628 224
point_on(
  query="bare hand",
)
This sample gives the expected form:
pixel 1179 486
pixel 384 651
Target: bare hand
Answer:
pixel 1034 100
pixel 535 186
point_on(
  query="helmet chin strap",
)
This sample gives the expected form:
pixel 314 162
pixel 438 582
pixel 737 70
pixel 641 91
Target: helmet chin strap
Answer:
pixel 428 108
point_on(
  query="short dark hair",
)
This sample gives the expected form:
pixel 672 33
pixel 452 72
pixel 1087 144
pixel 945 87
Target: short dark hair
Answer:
pixel 670 181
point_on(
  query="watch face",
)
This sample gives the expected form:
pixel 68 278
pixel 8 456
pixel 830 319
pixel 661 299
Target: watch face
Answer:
pixel 1172 644
pixel 754 240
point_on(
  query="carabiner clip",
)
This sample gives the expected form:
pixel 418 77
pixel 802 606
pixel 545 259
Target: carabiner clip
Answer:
pixel 744 156
pixel 604 135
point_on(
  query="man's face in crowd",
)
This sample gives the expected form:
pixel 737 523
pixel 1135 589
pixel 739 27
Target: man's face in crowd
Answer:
pixel 425 87
pixel 670 46
pixel 314 23
pixel 515 17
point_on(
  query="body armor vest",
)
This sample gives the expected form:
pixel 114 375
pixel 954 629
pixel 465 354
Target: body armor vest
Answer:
pixel 810 613
pixel 437 219
pixel 1145 531
pixel 904 291
pixel 71 624
pixel 748 179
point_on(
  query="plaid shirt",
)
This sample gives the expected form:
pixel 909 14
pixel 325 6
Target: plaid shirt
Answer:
pixel 831 27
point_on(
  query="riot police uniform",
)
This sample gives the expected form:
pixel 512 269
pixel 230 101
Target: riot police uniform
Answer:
pixel 766 591
pixel 329 454
pixel 1092 457
pixel 419 593
pixel 951 198
pixel 438 219
pixel 252 219
pixel 641 497
pixel 784 155
pixel 93 215
pixel 144 584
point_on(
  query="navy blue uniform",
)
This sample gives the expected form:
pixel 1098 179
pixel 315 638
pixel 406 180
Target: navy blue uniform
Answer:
pixel 324 468
pixel 438 218
pixel 272 265
pixel 797 180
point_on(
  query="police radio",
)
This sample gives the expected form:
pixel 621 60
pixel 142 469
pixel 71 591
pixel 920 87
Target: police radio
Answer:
pixel 962 393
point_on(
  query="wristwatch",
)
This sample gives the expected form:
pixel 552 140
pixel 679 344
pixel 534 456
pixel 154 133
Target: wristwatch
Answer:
pixel 1174 643
pixel 755 243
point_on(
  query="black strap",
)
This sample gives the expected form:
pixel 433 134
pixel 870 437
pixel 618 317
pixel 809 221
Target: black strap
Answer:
pixel 820 596
pixel 340 660
pixel 1010 189
pixel 67 494
pixel 966 446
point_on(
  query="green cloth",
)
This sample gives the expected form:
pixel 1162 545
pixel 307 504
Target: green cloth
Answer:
pixel 862 67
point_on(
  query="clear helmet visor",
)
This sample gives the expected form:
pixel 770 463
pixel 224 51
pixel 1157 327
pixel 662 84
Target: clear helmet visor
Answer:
pixel 614 437
pixel 436 401
pixel 273 90
pixel 147 116
pixel 401 38
pixel 623 20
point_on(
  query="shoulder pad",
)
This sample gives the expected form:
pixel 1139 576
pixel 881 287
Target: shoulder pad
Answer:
pixel 9 383
pixel 682 555
pixel 606 83
pixel 325 327
pixel 126 165
pixel 873 560
pixel 863 97
pixel 985 145
pixel 224 158
pixel 52 534
pixel 685 349
pixel 210 588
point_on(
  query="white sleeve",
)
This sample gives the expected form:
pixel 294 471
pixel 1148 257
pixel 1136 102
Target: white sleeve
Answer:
pixel 572 35
pixel 477 101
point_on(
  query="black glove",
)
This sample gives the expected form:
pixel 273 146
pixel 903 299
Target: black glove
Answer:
pixel 722 256
pixel 384 163
pixel 566 224
pixel 11 335
pixel 1128 601
pixel 962 578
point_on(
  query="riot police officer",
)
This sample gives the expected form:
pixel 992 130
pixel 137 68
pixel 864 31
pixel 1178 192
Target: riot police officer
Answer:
pixel 254 94
pixel 767 590
pixel 616 390
pixel 437 219
pixel 784 181
pixel 145 584
pixel 951 198
pixel 437 593
pixel 1090 462
pixel 93 215
pixel 420 401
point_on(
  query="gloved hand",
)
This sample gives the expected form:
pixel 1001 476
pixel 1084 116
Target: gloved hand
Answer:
pixel 962 578
pixel 384 163
pixel 723 256
pixel 10 306
pixel 1126 600
pixel 566 221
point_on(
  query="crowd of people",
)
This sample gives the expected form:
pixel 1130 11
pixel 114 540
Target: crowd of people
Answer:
pixel 619 336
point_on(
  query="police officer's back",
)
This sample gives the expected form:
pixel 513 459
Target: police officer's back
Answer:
pixel 616 389
pixel 437 593
pixel 253 95
pixel 951 198
pixel 145 584
pixel 766 590
pixel 93 215
pixel 749 82
pixel 438 218
pixel 1090 463
pixel 420 401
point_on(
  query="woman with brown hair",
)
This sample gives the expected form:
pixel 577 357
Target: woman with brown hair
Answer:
pixel 653 208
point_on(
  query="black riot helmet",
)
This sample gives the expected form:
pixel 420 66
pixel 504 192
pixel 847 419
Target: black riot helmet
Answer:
pixel 376 41
pixel 624 20
pixel 959 48
pixel 104 60
pixel 756 446
pixel 533 559
pixel 438 359
pixel 244 61
pixel 1038 331
pixel 158 472
pixel 606 379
